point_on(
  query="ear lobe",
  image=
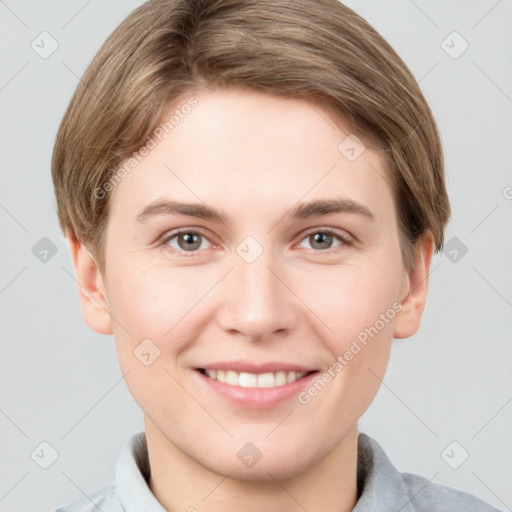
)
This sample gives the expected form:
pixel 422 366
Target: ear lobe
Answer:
pixel 414 290
pixel 91 289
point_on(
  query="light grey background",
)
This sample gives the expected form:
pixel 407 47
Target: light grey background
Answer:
pixel 60 382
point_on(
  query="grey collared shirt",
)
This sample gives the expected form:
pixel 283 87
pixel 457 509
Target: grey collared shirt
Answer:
pixel 383 487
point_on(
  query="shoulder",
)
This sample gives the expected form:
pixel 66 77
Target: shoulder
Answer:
pixel 129 486
pixel 428 496
pixel 105 499
pixel 384 488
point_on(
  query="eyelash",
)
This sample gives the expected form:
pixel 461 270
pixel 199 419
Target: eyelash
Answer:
pixel 343 238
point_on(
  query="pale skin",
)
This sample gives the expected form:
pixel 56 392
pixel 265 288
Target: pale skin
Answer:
pixel 255 157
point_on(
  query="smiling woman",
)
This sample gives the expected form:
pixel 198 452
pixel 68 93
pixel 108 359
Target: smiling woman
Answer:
pixel 267 248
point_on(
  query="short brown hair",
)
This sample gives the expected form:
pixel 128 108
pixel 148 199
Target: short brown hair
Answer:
pixel 318 50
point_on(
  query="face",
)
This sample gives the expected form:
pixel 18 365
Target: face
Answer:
pixel 270 286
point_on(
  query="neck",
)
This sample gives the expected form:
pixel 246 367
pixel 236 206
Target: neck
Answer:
pixel 181 483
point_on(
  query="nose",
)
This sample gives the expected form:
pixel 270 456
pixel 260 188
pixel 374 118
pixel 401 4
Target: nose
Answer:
pixel 256 301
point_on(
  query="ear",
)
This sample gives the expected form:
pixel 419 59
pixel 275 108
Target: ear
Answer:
pixel 92 294
pixel 414 290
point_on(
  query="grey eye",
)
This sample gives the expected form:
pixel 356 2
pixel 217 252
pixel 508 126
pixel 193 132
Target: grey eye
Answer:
pixel 188 241
pixel 322 240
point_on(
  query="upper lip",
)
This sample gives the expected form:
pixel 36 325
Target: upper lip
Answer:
pixel 252 367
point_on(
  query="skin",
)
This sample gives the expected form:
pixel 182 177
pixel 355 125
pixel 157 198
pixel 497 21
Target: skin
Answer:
pixel 255 156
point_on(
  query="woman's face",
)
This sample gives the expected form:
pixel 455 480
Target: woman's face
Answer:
pixel 271 286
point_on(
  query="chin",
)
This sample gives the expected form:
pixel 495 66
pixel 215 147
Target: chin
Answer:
pixel 268 471
pixel 273 463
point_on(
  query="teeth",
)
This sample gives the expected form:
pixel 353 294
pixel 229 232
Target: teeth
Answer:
pixel 253 380
pixel 280 378
pixel 246 380
pixel 231 378
pixel 266 380
pixel 290 377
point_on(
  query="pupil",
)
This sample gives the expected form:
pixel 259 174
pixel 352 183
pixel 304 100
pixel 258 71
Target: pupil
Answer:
pixel 190 241
pixel 322 238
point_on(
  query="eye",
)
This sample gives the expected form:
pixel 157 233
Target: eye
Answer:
pixel 185 241
pixel 191 241
pixel 322 239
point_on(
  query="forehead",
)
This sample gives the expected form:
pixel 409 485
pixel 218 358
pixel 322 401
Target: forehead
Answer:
pixel 246 149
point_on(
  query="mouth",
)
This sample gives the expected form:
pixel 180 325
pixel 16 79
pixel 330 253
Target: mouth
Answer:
pixel 255 380
pixel 263 390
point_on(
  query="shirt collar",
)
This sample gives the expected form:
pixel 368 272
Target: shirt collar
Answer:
pixel 381 486
pixel 132 477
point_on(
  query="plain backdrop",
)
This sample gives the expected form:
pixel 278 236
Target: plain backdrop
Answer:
pixel 451 382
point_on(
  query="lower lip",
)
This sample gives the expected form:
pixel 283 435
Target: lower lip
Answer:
pixel 257 398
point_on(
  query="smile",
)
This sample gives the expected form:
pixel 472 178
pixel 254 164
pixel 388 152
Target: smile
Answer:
pixel 255 384
pixel 253 380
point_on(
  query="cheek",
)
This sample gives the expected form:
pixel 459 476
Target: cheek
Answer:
pixel 156 309
pixel 351 299
pixel 162 305
pixel 358 305
pixel 153 300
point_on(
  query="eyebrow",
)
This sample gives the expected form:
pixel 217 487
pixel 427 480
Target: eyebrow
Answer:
pixel 302 211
